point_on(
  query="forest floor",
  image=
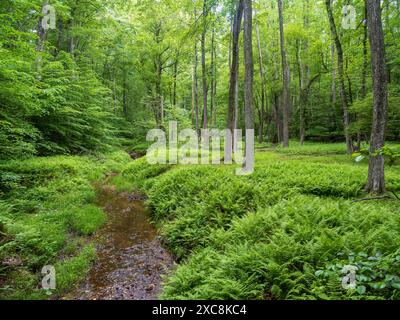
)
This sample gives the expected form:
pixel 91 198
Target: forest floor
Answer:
pixel 283 232
pixel 130 258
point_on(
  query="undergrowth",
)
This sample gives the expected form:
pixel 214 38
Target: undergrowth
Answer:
pixel 284 232
pixel 46 212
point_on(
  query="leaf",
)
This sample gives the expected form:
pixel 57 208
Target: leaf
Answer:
pixel 361 289
pixel 396 285
pixel 319 273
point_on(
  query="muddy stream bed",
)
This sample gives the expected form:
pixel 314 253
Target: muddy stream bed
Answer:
pixel 130 258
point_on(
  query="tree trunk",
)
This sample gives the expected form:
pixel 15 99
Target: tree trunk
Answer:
pixel 213 80
pixel 376 172
pixel 301 95
pixel 125 95
pixel 234 74
pixel 339 50
pixel 304 75
pixel 286 79
pixel 195 87
pixel 333 88
pixel 262 82
pixel 248 64
pixel 203 64
pixel 365 57
pixel 249 76
pixel 175 79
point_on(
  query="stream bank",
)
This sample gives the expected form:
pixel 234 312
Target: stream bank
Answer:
pixel 130 258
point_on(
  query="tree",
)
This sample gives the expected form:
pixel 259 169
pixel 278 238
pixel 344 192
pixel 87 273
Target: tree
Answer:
pixel 343 95
pixel 203 64
pixel 376 170
pixel 248 64
pixel 286 79
pixel 262 84
pixel 195 87
pixel 234 71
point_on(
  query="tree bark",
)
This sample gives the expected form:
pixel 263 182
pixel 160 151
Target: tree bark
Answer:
pixel 339 50
pixel 262 82
pixel 249 77
pixel 304 75
pixel 286 79
pixel 125 95
pixel 203 64
pixel 234 73
pixel 213 78
pixel 248 64
pixel 376 171
pixel 195 87
pixel 175 79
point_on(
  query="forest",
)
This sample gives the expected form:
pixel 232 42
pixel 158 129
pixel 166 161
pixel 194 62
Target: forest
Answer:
pixel 86 214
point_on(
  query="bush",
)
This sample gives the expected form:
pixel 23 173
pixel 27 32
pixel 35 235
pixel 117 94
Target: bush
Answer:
pixel 42 201
pixel 275 253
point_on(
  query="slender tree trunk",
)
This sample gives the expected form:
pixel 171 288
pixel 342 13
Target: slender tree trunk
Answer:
pixel 376 172
pixel 215 87
pixel 213 80
pixel 286 79
pixel 175 80
pixel 203 64
pixel 365 57
pixel 195 87
pixel 339 50
pixel 159 97
pixel 278 119
pixel 301 95
pixel 333 88
pixel 234 74
pixel 125 95
pixel 248 69
pixel 262 82
pixel 364 68
pixel 304 75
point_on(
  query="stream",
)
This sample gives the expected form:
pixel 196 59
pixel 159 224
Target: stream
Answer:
pixel 130 258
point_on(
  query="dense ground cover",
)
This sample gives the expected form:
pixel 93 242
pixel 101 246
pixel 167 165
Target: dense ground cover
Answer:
pixel 284 232
pixel 47 211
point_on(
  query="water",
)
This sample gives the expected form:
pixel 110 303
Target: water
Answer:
pixel 130 259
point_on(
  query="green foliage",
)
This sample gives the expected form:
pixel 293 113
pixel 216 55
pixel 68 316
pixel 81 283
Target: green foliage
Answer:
pixel 87 219
pixel 376 276
pixel 391 154
pixel 363 109
pixel 276 252
pixel 269 235
pixel 45 205
pixel 74 269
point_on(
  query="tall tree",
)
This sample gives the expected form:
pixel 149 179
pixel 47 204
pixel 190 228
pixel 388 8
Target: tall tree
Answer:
pixel 262 83
pixel 286 79
pixel 248 64
pixel 304 74
pixel 376 171
pixel 234 72
pixel 203 64
pixel 195 87
pixel 343 95
pixel 213 79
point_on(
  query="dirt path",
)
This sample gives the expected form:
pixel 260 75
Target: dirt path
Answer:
pixel 130 259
